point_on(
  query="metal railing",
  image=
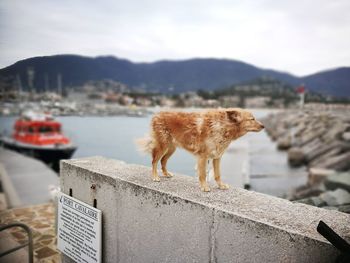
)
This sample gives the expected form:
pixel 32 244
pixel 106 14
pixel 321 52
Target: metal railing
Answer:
pixel 29 243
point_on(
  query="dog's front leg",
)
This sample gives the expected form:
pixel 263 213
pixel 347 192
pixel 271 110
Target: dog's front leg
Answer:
pixel 202 173
pixel 216 165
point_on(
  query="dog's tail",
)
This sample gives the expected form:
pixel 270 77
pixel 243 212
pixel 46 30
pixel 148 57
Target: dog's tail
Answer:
pixel 145 144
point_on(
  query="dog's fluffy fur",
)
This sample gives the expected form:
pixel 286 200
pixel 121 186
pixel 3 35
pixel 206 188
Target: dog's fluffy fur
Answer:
pixel 205 134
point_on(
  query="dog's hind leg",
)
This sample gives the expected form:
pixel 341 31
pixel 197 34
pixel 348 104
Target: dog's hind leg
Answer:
pixel 202 173
pixel 157 153
pixel 164 160
pixel 216 165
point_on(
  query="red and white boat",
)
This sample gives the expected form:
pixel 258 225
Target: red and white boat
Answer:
pixel 40 136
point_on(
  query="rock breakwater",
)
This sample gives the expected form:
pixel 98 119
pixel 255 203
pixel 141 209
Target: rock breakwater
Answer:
pixel 321 141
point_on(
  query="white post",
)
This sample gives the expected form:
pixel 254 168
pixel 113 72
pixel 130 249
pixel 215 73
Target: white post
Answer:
pixel 302 99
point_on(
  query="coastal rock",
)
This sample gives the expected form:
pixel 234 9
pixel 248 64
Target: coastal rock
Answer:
pixel 318 175
pixel 319 149
pixel 296 156
pixel 280 131
pixel 312 146
pixel 346 136
pixel 344 209
pixel 305 191
pixel 341 180
pixel 322 159
pixel 300 129
pixel 309 136
pixel 339 162
pixel 284 143
pixel 315 201
pixel 335 132
pixel 336 198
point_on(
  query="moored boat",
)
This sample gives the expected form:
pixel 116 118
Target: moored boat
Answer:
pixel 40 136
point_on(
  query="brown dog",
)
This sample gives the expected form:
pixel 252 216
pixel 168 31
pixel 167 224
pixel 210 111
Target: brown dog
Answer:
pixel 205 134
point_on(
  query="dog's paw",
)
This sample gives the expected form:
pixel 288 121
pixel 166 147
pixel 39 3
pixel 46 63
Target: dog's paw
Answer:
pixel 205 188
pixel 168 174
pixel 224 186
pixel 156 179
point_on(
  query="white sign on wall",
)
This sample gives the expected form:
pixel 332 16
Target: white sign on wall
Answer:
pixel 79 230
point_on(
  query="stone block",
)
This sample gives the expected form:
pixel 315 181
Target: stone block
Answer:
pixel 320 149
pixel 340 162
pixel 284 143
pixel 341 180
pixel 346 136
pixel 336 197
pixel 296 156
pixel 318 175
pixel 318 161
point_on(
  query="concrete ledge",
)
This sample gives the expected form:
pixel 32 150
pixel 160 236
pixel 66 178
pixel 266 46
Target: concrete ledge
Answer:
pixel 173 221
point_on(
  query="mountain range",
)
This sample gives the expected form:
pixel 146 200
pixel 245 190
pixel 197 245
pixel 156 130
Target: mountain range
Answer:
pixel 167 76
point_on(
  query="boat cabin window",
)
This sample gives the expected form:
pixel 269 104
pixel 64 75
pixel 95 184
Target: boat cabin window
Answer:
pixel 46 129
pixel 31 130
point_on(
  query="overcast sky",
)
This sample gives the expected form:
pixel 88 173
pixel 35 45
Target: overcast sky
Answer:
pixel 300 37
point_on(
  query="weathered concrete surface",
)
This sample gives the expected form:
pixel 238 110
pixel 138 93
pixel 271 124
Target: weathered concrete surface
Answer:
pixel 25 179
pixel 173 221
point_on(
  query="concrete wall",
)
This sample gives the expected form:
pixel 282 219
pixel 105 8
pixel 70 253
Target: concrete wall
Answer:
pixel 173 221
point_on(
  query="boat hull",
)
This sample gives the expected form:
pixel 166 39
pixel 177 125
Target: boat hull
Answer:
pixel 50 156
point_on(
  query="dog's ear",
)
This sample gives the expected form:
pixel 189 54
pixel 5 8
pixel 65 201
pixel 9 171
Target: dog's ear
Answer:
pixel 234 116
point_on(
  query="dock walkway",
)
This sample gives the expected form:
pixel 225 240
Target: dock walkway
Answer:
pixel 25 180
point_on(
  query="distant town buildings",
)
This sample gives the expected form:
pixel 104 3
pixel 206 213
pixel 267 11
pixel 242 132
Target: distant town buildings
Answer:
pixel 107 97
pixel 257 102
